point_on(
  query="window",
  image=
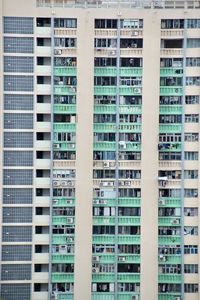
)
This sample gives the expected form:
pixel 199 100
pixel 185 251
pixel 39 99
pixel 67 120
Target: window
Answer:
pixel 105 62
pixel 191 287
pixel 105 43
pixel 192 118
pixel 65 42
pixel 105 23
pixel 192 100
pixel 172 24
pixel 171 43
pixel 170 100
pixel 168 119
pixel 190 249
pixel 190 193
pixel 191 174
pixel 18 25
pixel 193 43
pixel 191 155
pixel 169 155
pixel 193 61
pixel 65 23
pixel 190 211
pixel 190 230
pixel 171 62
pixel 191 137
pixel 18 45
pixel 193 80
pixel 131 23
pixel 190 268
pixel 193 23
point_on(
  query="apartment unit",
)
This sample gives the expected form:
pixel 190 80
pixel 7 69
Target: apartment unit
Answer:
pixel 100 150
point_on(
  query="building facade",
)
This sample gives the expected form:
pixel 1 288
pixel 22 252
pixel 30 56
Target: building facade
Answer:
pixel 100 150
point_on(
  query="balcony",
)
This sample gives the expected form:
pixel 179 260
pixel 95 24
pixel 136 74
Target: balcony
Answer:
pixel 40 295
pixel 43 70
pixel 169 259
pixel 63 202
pixel 43 89
pixel 103 277
pixel 43 163
pixel 61 239
pixel 42 220
pixel 104 146
pixel 42 144
pixel 135 202
pixel 43 182
pixel 64 108
pixel 169 278
pixel 65 71
pixel 171 52
pixel 171 91
pixel 64 90
pixel 43 126
pixel 169 240
pixel 170 128
pixel 43 201
pixel 43 31
pixel 112 71
pixel 62 277
pixel 126 277
pixel 65 32
pixel 43 51
pixel 64 127
pixel 63 220
pixel 42 239
pixel 41 258
pixel 62 258
pixel 169 221
pixel 177 72
pixel 170 109
pixel 43 108
pixel 169 202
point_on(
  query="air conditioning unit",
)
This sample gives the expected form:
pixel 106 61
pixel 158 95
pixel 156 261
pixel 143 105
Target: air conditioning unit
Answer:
pixel 121 156
pixel 72 89
pixel 56 146
pixel 106 164
pixel 62 249
pixel 70 220
pixel 137 90
pixel 69 201
pixel 107 183
pixel 163 178
pixel 161 201
pixel 177 298
pixel 102 202
pixel 127 183
pixel 121 258
pixel 121 183
pixel 95 258
pixel 69 183
pixel 95 270
pixel 56 183
pixel 70 239
pixel 112 53
pixel 96 201
pixel 135 297
pixel 61 83
pixel 55 201
pixel 71 146
pixel 134 33
pixel 162 258
pixel 122 145
pixel 63 183
pixel 176 221
pixel 57 51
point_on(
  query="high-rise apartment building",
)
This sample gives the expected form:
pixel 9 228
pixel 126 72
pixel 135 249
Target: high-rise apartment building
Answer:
pixel 100 150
